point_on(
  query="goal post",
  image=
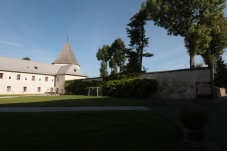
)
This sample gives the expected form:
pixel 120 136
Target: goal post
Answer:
pixel 94 91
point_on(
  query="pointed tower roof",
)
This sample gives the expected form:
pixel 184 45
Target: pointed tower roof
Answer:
pixel 66 56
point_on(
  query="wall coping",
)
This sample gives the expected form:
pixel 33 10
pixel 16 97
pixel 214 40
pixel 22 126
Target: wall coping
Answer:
pixel 177 70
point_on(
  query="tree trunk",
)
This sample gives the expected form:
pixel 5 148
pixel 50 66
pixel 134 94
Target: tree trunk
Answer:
pixel 192 61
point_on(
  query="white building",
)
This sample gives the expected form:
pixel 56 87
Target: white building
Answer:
pixel 28 77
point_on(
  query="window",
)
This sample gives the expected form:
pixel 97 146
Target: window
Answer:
pixel 46 78
pixel 8 89
pixel 33 78
pixel 39 89
pixel 18 77
pixel 1 75
pixel 36 67
pixel 25 78
pixel 10 78
pixel 24 89
pixel 40 80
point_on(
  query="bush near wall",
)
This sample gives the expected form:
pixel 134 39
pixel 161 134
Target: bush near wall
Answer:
pixel 126 87
pixel 130 88
pixel 79 87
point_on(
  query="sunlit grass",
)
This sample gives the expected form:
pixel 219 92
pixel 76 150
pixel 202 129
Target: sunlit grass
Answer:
pixel 73 100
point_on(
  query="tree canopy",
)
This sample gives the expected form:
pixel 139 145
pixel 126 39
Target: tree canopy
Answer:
pixel 103 69
pixel 138 40
pixel 118 53
pixel 220 78
pixel 192 19
pixel 26 58
pixel 218 32
pixel 113 55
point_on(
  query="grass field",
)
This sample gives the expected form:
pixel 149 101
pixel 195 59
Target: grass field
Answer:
pixel 73 101
pixel 87 131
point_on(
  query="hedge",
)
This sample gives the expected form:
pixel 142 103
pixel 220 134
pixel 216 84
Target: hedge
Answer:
pixel 127 87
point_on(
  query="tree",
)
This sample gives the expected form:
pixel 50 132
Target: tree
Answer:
pixel 103 69
pixel 103 55
pixel 133 65
pixel 114 56
pixel 218 43
pixel 220 78
pixel 26 58
pixel 138 40
pixel 113 66
pixel 196 40
pixel 186 19
pixel 118 52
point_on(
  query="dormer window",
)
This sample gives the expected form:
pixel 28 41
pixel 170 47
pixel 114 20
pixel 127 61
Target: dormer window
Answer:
pixel 74 70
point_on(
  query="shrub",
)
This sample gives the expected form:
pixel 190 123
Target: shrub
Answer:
pixel 193 118
pixel 130 87
pixel 125 87
pixel 79 87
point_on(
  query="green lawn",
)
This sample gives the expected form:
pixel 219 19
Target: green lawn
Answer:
pixel 87 131
pixel 73 100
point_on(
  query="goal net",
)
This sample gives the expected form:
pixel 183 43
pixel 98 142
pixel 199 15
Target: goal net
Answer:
pixel 94 91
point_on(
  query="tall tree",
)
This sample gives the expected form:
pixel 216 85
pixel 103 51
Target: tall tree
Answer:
pixel 103 69
pixel 138 40
pixel 113 66
pixel 133 65
pixel 103 55
pixel 220 79
pixel 118 52
pixel 184 18
pixel 196 40
pixel 217 25
pixel 218 32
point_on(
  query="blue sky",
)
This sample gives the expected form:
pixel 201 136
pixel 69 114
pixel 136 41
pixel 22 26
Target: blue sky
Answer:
pixel 39 28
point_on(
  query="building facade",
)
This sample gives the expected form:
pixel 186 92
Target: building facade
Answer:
pixel 28 77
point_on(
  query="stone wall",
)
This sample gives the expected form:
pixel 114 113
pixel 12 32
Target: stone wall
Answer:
pixel 179 84
pixel 182 84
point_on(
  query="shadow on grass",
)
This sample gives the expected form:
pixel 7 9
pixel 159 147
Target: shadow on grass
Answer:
pixel 72 101
pixel 90 131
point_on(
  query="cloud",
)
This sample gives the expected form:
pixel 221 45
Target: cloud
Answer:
pixel 10 43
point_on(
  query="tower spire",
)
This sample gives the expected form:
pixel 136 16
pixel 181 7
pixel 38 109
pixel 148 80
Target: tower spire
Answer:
pixel 66 56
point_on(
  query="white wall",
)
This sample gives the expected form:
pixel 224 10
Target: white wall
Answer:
pixel 181 84
pixel 17 86
pixel 60 81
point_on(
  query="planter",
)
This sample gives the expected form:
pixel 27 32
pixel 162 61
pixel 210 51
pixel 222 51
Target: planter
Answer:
pixel 193 121
pixel 193 136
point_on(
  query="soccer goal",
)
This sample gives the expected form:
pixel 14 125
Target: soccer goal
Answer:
pixel 94 91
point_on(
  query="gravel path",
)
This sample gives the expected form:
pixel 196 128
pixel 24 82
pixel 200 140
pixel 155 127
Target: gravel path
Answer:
pixel 64 109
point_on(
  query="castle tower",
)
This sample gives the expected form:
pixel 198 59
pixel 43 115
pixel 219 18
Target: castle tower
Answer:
pixel 66 56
